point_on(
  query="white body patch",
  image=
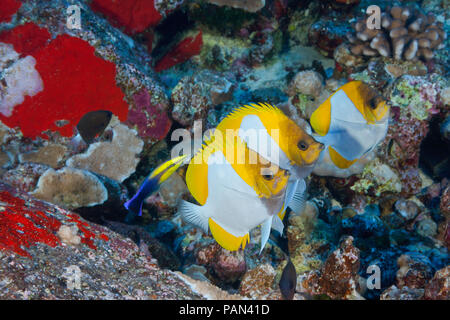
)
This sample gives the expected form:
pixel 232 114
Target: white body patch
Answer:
pixel 349 133
pixel 255 134
pixel 231 203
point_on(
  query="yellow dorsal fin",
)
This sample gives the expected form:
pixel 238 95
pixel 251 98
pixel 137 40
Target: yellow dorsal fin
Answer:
pixel 226 239
pixel 253 108
pixel 263 110
pixel 338 160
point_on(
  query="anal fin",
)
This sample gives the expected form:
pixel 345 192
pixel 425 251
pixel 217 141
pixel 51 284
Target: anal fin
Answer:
pixel 226 239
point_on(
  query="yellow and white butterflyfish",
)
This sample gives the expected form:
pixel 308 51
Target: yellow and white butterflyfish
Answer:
pixel 235 196
pixel 350 123
pixel 269 132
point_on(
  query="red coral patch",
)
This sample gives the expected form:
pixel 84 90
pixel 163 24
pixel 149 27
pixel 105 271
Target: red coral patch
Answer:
pixel 76 81
pixel 21 227
pixel 134 15
pixel 8 9
pixel 26 39
pixel 184 50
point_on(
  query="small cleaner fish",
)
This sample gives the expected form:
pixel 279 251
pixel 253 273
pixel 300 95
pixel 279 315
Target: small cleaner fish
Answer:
pixel 350 123
pixel 152 183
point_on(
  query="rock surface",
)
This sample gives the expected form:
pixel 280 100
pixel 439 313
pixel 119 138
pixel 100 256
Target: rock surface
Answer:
pixel 104 265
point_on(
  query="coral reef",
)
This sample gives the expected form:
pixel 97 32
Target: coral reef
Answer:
pixel 306 82
pixel 70 188
pixel 152 121
pixel 257 283
pixel 64 58
pixel 185 49
pixel 9 8
pixel 51 154
pixel 405 33
pixel 109 266
pixel 19 80
pixel 163 65
pixel 338 277
pixel 247 5
pixel 115 159
pixel 194 96
pixel 227 265
pixel 438 288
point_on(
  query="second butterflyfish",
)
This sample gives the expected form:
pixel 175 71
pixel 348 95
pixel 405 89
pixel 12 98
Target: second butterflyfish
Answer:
pixel 350 123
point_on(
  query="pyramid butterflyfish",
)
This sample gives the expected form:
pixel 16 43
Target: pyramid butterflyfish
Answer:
pixel 269 132
pixel 237 190
pixel 350 123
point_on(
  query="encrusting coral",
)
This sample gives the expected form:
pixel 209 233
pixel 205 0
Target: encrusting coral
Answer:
pixel 405 33
pixel 70 188
pixel 116 159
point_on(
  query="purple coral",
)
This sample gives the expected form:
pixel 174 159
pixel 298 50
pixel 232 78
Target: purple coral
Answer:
pixel 151 120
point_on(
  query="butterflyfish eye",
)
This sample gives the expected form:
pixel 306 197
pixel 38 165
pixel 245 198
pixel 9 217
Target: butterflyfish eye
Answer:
pixel 302 145
pixel 268 176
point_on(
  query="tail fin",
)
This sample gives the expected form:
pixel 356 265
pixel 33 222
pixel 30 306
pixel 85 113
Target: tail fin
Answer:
pixel 134 205
pixel 192 213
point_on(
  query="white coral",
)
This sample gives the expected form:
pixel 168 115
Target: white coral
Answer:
pixel 20 79
pixel 116 159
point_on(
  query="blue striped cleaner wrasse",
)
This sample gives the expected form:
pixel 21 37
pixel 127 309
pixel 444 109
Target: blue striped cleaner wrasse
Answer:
pixel 152 183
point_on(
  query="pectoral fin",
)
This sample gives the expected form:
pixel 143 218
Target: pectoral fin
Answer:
pixel 277 224
pixel 265 232
pixel 297 202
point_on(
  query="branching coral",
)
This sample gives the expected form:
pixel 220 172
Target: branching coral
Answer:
pixel 404 34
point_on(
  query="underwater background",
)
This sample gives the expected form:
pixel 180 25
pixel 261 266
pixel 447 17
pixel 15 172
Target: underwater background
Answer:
pixel 378 230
